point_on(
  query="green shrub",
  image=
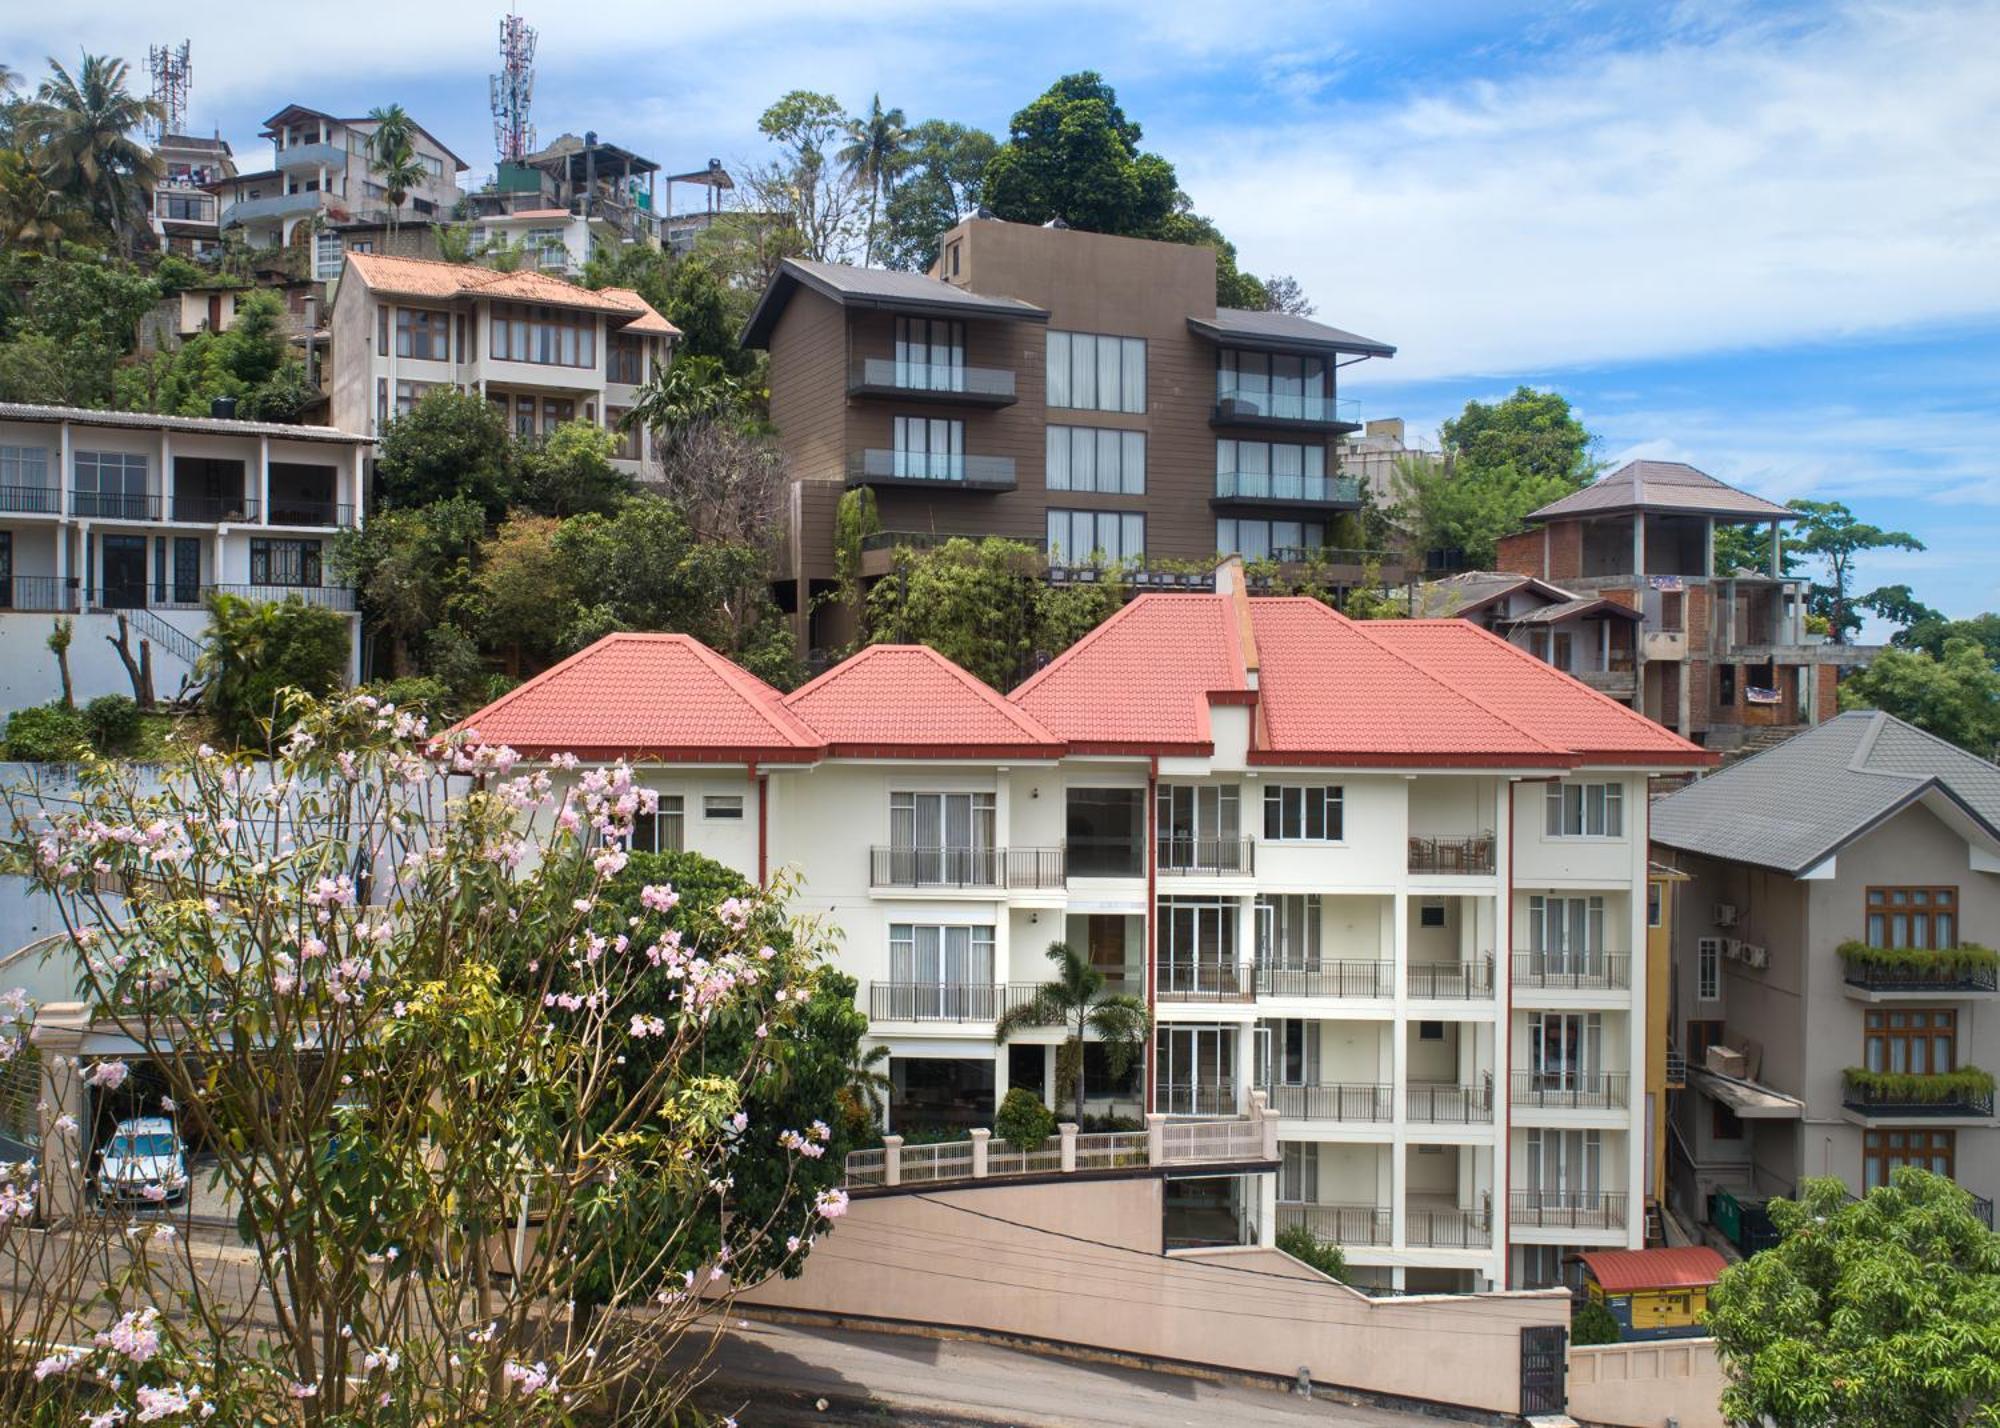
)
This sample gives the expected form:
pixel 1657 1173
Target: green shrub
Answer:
pixel 1905 1088
pixel 257 649
pixel 1593 1324
pixel 1968 957
pixel 1308 1248
pixel 1024 1122
pixel 114 723
pixel 47 734
pixel 419 692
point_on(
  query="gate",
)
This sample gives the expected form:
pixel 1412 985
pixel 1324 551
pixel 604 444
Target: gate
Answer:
pixel 1543 1366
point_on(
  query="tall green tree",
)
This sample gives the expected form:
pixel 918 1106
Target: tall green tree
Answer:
pixel 805 185
pixel 1877 1313
pixel 971 601
pixel 570 472
pixel 255 650
pixel 1954 694
pixel 877 146
pixel 1931 634
pixel 1533 432
pixel 1078 1000
pixel 83 125
pixel 1830 533
pixel 392 157
pixel 451 444
pixel 407 565
pixel 940 188
pixel 1073 155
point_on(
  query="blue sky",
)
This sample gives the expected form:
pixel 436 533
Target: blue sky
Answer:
pixel 1761 238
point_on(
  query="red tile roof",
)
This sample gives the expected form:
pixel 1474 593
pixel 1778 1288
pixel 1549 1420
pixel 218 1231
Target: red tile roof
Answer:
pixel 1140 682
pixel 429 278
pixel 1622 1271
pixel 909 701
pixel 652 698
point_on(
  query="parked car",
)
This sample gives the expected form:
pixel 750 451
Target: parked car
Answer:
pixel 144 1160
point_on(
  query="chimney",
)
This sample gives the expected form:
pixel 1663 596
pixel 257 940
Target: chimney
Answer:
pixel 1231 581
pixel 223 408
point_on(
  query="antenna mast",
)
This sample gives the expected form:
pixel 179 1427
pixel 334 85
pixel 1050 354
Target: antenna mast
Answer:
pixel 171 69
pixel 514 90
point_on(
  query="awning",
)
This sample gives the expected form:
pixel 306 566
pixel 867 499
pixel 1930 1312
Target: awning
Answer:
pixel 1750 1101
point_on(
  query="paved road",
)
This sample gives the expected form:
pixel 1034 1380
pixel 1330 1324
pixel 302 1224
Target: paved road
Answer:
pixel 774 1375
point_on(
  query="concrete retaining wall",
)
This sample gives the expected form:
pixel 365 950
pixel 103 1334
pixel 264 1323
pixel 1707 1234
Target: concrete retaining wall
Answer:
pixel 1644 1385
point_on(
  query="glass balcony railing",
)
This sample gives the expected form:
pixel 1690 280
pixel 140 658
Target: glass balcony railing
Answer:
pixel 1239 401
pixel 1296 487
pixel 945 380
pixel 945 468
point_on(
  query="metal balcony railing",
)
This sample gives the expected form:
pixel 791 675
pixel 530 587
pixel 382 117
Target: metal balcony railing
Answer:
pixel 31 500
pixel 992 473
pixel 1567 1209
pixel 1470 854
pixel 1340 1224
pixel 39 592
pixel 1916 975
pixel 1572 1090
pixel 1204 982
pixel 116 505
pixel 291 511
pixel 1235 401
pixel 1351 1101
pixel 215 509
pixel 1208 1098
pixel 1452 981
pixel 328 597
pixel 1462 1228
pixel 1328 979
pixel 1441 1103
pixel 935 1001
pixel 1574 971
pixel 896 867
pixel 1941 1095
pixel 1220 856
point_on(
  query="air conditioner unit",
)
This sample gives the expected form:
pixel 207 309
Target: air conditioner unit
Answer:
pixel 1725 914
pixel 1732 948
pixel 1755 956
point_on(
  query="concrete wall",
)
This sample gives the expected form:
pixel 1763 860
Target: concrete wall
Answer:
pixel 1647 1385
pixel 997 1260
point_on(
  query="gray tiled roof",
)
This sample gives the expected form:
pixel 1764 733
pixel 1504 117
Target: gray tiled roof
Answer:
pixel 1582 605
pixel 1249 325
pixel 1793 806
pixel 153 421
pixel 876 287
pixel 1670 486
pixel 1471 589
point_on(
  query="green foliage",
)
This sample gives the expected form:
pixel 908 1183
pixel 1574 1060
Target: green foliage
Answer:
pixel 1064 614
pixel 1829 533
pixel 1310 1250
pixel 47 734
pixel 811 193
pixel 690 292
pixel 1966 957
pixel 1908 1088
pixel 1592 1323
pixel 1024 1122
pixel 406 565
pixel 250 361
pixel 855 519
pixel 1078 1001
pixel 570 472
pixel 1741 547
pixel 1533 433
pixel 1898 604
pixel 254 650
pixel 940 186
pixel 113 720
pixel 430 697
pixel 1878 1313
pixel 1818 625
pixel 1073 155
pixel 972 601
pixel 81 128
pixel 451 445
pixel 875 153
pixel 1955 696
pixel 692 391
pixel 1931 635
pixel 78 318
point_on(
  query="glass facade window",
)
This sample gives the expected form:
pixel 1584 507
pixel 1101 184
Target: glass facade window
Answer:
pixel 1288 928
pixel 665 831
pixel 1091 372
pixel 1269 540
pixel 285 562
pixel 1082 458
pixel 423 334
pixel 930 448
pixel 111 484
pixel 1079 537
pixel 1915 1043
pixel 549 336
pixel 1584 810
pixel 1309 813
pixel 1271 470
pixel 930 355
pixel 1883 1152
pixel 1275 385
pixel 940 956
pixel 626 361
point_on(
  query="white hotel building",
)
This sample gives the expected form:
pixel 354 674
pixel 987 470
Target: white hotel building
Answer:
pixel 1393 874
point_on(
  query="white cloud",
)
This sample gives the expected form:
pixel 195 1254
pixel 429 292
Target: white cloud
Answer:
pixel 1753 184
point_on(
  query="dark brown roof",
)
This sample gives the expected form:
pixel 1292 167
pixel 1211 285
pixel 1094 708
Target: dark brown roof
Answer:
pixel 881 288
pixel 1283 329
pixel 1669 486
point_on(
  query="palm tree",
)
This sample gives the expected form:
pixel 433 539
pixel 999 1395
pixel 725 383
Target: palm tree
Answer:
pixel 1077 1001
pixel 878 145
pixel 33 217
pixel 868 1087
pixel 83 125
pixel 392 155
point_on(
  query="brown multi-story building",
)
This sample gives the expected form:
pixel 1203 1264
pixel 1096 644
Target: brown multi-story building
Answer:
pixel 1076 391
pixel 1720 653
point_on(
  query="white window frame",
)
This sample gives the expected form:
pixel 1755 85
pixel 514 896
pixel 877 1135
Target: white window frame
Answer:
pixel 1569 810
pixel 722 807
pixel 1331 799
pixel 1708 969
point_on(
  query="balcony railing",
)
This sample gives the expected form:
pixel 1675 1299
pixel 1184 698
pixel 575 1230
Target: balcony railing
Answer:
pixel 1328 979
pixel 1440 1103
pixel 935 1001
pixel 1340 1224
pixel 1204 982
pixel 1452 981
pixel 1209 1098
pixel 1220 856
pixel 1677 1070
pixel 31 500
pixel 895 867
pixel 215 509
pixel 1567 1209
pixel 1919 971
pixel 977 473
pixel 39 592
pixel 1106 857
pixel 1982 1209
pixel 1236 403
pixel 1574 971
pixel 327 597
pixel 1572 1090
pixel 1448 1229
pixel 116 505
pixel 290 511
pixel 1348 1101
pixel 984 386
pixel 1469 854
pixel 1297 488
pixel 1964 1092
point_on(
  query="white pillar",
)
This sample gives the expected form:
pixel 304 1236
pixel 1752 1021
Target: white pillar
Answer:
pixel 166 483
pixel 1156 1138
pixel 1246 1065
pixel 1638 542
pixel 980 1136
pixel 263 481
pixel 1067 1130
pixel 1051 1093
pixel 892 1160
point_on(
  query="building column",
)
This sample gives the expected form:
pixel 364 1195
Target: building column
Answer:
pixel 166 475
pixel 1639 1026
pixel 263 481
pixel 1638 542
pixel 1708 547
pixel 1777 550
pixel 1049 1087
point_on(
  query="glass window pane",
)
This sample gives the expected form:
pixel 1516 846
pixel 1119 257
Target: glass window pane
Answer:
pixel 1133 540
pixel 1107 374
pixel 1132 464
pixel 1134 376
pixel 1057 475
pixel 1058 370
pixel 1083 370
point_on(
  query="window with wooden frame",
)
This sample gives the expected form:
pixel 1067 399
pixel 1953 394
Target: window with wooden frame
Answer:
pixel 1912 917
pixel 1885 1151
pixel 423 335
pixel 1917 1043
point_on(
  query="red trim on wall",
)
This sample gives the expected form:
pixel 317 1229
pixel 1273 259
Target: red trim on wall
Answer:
pixel 1151 1070
pixel 763 826
pixel 1504 1074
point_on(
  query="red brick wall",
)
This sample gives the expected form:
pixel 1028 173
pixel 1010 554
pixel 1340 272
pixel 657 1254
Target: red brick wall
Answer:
pixel 1828 678
pixel 1520 553
pixel 1555 554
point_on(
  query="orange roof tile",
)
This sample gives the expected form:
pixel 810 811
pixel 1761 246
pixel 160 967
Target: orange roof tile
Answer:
pixel 648 320
pixel 909 701
pixel 652 698
pixel 541 213
pixel 1622 1271
pixel 429 278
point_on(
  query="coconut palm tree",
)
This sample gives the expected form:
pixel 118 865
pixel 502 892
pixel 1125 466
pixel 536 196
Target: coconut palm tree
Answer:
pixel 82 125
pixel 878 146
pixel 1078 1002
pixel 868 1086
pixel 392 156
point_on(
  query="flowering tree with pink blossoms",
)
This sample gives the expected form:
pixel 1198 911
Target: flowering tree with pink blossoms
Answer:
pixel 374 977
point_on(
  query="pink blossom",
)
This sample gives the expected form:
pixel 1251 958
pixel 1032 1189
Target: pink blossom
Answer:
pixel 107 1075
pixel 660 897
